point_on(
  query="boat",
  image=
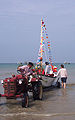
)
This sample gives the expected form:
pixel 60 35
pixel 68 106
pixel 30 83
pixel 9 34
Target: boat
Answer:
pixel 66 62
pixel 44 55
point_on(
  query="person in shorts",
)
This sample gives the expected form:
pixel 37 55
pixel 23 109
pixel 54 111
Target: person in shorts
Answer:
pixel 63 74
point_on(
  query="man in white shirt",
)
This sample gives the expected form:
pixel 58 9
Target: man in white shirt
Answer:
pixel 47 68
pixel 26 69
pixel 63 74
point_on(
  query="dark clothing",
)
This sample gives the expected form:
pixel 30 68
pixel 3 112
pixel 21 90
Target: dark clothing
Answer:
pixel 63 79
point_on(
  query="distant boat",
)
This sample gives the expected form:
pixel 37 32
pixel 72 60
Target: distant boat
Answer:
pixel 66 62
pixel 20 63
pixel 25 63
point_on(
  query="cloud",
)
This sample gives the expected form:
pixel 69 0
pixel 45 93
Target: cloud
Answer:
pixel 39 7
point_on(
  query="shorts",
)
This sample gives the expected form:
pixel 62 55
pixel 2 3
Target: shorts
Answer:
pixel 64 79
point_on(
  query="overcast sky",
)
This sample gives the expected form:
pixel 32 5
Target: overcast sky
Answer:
pixel 20 29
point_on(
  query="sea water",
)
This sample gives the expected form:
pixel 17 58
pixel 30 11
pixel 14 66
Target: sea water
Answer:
pixel 57 104
pixel 7 69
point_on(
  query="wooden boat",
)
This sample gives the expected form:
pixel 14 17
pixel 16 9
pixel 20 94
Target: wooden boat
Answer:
pixel 48 79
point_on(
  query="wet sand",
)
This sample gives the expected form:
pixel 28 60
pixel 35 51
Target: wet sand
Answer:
pixel 57 104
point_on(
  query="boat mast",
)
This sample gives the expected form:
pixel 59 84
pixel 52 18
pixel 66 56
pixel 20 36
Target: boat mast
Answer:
pixel 41 41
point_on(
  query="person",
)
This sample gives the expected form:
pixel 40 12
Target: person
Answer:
pixel 63 74
pixel 26 69
pixel 47 68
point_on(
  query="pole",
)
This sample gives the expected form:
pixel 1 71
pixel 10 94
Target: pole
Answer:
pixel 41 42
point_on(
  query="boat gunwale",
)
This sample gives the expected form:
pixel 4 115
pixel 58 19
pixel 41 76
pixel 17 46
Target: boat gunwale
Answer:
pixel 47 76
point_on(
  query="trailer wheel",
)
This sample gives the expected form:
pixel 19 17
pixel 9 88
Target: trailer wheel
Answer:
pixel 38 91
pixel 58 84
pixel 25 100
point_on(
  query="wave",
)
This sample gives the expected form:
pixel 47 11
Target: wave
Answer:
pixel 36 114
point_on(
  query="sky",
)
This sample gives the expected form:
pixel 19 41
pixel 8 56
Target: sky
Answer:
pixel 20 27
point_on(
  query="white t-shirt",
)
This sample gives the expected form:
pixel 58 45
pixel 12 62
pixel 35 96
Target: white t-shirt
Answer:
pixel 62 72
pixel 26 70
pixel 47 69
